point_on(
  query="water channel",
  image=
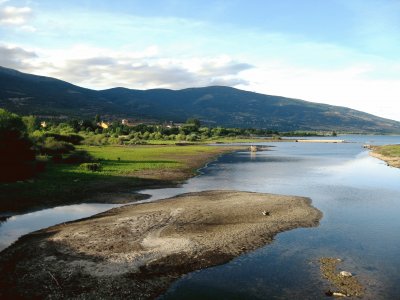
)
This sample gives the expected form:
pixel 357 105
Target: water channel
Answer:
pixel 358 195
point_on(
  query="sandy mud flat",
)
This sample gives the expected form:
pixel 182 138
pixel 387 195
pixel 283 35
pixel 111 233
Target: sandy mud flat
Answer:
pixel 138 250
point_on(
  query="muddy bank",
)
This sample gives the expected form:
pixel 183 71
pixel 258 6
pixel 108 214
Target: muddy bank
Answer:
pixel 137 251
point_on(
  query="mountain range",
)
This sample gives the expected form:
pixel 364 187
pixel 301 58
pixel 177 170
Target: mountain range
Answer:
pixel 215 105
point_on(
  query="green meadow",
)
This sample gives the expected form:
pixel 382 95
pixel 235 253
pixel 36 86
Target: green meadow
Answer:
pixel 62 183
pixel 388 150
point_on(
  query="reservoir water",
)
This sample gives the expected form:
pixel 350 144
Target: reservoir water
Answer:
pixel 358 195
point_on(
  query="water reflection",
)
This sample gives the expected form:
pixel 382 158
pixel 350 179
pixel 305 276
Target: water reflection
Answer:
pixel 359 196
pixel 18 225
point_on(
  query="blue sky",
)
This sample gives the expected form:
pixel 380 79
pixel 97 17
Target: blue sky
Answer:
pixel 341 52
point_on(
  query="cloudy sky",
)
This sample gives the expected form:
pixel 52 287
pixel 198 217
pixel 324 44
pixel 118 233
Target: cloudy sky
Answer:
pixel 341 52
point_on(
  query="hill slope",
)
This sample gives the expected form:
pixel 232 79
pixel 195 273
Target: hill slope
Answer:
pixel 217 105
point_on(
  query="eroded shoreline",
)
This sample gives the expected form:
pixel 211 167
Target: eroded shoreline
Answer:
pixel 138 250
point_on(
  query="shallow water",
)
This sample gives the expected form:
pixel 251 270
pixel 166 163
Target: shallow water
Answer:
pixel 359 196
pixel 18 225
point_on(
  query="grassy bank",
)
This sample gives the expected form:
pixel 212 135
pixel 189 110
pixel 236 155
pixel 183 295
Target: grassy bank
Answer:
pixel 388 150
pixel 123 169
pixel 389 153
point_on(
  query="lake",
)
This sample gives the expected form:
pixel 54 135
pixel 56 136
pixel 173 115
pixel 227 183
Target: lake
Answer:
pixel 358 195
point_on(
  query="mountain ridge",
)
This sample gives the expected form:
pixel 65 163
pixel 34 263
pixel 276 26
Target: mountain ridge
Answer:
pixel 217 105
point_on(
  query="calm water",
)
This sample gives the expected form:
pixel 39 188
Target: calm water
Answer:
pixel 359 196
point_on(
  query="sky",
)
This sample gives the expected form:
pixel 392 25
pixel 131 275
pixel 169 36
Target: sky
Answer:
pixel 339 52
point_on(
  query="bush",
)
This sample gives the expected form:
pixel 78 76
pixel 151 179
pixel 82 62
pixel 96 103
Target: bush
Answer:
pixel 74 139
pixel 78 157
pixel 93 167
pixel 192 137
pixel 53 147
pixel 180 137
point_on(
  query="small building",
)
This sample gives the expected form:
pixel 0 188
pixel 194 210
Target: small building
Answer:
pixel 104 125
pixel 43 124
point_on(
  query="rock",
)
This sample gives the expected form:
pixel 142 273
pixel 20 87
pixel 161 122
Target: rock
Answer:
pixel 329 293
pixel 345 274
pixel 334 294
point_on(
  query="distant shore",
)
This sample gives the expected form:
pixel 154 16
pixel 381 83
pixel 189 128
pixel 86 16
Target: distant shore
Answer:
pixel 137 251
pixel 388 153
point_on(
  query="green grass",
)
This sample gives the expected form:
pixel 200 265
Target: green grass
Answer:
pixel 66 183
pixel 119 160
pixel 388 150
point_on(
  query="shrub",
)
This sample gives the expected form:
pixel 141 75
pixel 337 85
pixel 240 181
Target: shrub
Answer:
pixel 192 137
pixel 180 137
pixel 93 167
pixel 74 139
pixel 53 147
pixel 78 157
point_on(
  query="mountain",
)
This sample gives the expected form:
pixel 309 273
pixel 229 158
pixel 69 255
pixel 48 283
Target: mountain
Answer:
pixel 216 105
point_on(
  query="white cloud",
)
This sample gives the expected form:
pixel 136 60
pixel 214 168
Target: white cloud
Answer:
pixel 101 68
pixel 349 86
pixel 11 15
pixel 16 57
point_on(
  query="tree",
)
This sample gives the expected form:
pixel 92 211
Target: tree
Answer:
pixel 74 123
pixel 145 135
pixel 193 121
pixel 31 123
pixel 16 154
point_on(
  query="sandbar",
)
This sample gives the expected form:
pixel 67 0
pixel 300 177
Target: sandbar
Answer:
pixel 137 251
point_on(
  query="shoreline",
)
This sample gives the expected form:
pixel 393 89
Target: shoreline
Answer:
pixel 380 153
pixel 138 250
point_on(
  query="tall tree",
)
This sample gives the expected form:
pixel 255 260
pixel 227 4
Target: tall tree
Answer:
pixel 16 153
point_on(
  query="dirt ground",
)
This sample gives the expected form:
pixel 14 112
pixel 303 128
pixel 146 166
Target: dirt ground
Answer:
pixel 137 251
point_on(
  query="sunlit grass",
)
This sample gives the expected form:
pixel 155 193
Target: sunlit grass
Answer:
pixel 67 183
pixel 388 150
